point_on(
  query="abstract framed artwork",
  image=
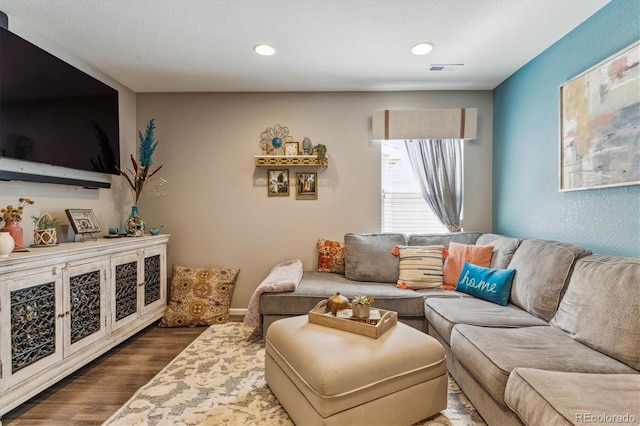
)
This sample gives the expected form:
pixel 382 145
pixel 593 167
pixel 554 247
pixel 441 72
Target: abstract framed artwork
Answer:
pixel 599 130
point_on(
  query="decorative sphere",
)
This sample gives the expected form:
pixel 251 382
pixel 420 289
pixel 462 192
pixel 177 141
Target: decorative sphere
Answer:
pixel 337 302
pixel 276 142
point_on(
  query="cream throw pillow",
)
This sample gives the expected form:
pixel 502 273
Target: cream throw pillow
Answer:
pixel 420 266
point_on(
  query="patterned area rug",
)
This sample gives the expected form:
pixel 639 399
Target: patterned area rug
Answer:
pixel 219 379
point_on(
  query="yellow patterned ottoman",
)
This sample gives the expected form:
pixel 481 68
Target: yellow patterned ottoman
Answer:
pixel 325 376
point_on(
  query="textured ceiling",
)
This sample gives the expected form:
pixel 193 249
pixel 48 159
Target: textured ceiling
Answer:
pixel 322 45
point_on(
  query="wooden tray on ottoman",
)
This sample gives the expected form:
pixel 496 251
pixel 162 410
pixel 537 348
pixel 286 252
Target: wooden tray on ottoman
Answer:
pixel 320 315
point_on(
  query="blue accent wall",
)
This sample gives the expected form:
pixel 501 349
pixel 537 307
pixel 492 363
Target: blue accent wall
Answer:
pixel 526 198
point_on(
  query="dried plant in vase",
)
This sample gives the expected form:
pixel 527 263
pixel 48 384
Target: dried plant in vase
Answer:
pixel 141 174
pixel 12 216
pixel 140 177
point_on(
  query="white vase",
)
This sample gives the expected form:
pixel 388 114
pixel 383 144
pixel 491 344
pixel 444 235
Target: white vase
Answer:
pixel 6 244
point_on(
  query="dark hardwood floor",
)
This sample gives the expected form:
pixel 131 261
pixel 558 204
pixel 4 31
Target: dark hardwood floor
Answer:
pixel 93 393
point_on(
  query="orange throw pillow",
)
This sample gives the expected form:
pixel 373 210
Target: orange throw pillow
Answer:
pixel 460 253
pixel 330 256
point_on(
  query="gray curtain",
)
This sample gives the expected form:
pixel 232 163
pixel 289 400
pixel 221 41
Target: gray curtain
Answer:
pixel 437 165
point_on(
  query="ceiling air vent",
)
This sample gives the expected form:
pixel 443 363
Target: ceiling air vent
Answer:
pixel 444 67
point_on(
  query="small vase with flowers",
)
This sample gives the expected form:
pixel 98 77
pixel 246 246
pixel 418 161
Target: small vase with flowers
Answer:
pixel 12 216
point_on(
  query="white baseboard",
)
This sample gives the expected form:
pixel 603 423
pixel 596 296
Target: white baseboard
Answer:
pixel 237 311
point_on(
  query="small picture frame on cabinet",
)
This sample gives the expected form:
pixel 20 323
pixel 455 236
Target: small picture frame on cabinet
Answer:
pixel 83 221
pixel 291 148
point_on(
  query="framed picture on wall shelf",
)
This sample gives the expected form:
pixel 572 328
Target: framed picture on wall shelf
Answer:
pixel 83 221
pixel 278 182
pixel 306 186
pixel 291 148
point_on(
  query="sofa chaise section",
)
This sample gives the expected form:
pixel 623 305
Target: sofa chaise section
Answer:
pixel 549 397
pixel 491 354
pixel 594 334
pixel 317 286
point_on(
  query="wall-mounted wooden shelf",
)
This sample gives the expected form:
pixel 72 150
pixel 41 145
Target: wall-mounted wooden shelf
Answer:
pixel 289 161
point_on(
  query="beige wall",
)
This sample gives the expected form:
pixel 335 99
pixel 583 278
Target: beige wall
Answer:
pixel 216 205
pixel 111 206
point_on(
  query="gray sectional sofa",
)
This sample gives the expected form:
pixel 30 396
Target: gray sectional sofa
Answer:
pixel 565 350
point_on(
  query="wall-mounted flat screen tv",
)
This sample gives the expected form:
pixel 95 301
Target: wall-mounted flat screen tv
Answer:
pixel 53 113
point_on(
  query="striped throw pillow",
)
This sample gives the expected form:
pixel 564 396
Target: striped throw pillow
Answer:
pixel 420 266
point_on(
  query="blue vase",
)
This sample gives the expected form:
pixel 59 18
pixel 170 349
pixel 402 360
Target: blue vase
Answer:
pixel 137 222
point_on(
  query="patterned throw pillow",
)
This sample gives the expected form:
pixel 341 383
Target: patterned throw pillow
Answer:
pixel 458 255
pixel 199 296
pixel 330 256
pixel 420 266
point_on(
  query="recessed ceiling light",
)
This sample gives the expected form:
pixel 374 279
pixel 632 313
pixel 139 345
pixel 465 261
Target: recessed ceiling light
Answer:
pixel 264 49
pixel 422 48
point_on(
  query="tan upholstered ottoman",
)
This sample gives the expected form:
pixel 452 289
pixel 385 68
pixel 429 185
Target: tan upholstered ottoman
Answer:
pixel 324 376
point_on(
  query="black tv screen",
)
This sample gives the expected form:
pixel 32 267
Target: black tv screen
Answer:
pixel 53 113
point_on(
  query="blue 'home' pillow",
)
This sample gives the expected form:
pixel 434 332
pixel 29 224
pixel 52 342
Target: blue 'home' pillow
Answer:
pixel 489 284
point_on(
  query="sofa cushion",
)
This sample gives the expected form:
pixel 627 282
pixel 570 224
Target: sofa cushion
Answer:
pixel 461 253
pixel 601 307
pixel 491 354
pixel 544 268
pixel 444 313
pixel 441 292
pixel 503 248
pixel 420 266
pixel 317 286
pixel 557 398
pixel 492 285
pixel 330 256
pixel 443 239
pixel 368 257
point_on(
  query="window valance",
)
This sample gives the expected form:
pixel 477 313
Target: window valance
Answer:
pixel 456 123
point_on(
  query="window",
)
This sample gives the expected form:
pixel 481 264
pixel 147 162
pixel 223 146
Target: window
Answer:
pixel 403 207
